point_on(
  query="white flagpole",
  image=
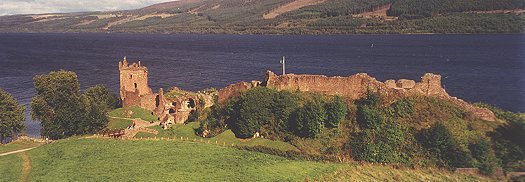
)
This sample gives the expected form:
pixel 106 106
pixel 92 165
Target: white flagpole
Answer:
pixel 283 62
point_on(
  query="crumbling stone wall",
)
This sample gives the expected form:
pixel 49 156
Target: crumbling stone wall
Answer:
pixel 235 90
pixel 356 86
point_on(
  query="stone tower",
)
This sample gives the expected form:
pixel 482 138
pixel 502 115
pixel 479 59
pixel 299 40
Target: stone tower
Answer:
pixel 133 83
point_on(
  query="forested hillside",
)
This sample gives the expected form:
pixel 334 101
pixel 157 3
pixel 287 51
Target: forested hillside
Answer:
pixel 289 17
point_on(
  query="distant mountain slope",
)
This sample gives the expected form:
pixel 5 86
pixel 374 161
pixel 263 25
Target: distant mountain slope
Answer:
pixel 288 17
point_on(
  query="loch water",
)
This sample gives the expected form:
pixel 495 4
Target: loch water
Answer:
pixel 476 68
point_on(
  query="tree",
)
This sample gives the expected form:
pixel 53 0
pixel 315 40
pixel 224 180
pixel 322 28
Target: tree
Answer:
pixel 63 110
pixel 368 114
pixel 100 95
pixel 308 120
pixel 440 142
pixel 252 110
pixel 336 112
pixel 485 157
pixel 11 116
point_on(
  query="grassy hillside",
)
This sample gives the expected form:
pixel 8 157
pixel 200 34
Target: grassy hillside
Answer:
pixel 10 167
pixel 113 160
pixel 78 159
pixel 17 145
pixel 246 17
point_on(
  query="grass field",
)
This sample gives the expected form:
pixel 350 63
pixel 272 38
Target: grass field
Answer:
pixel 78 159
pixel 117 160
pixel 118 123
pixel 17 145
pixel 81 159
pixel 387 173
pixel 226 138
pixel 10 167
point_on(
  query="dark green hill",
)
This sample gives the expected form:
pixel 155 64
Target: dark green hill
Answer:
pixel 289 17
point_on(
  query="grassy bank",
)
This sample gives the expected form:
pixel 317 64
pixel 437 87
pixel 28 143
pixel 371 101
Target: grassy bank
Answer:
pixel 17 145
pixel 78 159
pixel 114 160
pixel 226 138
pixel 10 167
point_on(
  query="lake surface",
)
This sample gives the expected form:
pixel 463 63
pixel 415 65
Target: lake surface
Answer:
pixel 476 68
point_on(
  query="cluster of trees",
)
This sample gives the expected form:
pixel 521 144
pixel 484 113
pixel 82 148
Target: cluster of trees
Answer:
pixel 64 111
pixel 335 8
pixel 60 106
pixel 426 8
pixel 276 114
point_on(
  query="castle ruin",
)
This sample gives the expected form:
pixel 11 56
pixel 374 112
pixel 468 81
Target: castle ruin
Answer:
pixel 356 86
pixel 176 107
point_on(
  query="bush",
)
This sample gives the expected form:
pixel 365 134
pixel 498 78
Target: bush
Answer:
pixel 380 140
pixel 440 142
pixel 486 159
pixel 402 108
pixel 368 114
pixel 336 111
pixel 253 109
pixel 308 120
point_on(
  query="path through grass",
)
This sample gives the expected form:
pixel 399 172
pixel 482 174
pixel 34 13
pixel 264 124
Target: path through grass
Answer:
pixel 26 166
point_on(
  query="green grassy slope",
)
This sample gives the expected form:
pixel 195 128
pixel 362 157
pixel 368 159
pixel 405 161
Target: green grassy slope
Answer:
pixel 17 145
pixel 226 138
pixel 10 167
pixel 78 159
pixel 117 160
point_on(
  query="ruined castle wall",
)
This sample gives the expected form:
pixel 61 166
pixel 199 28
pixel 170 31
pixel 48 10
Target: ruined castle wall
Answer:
pixel 131 98
pixel 148 102
pixel 234 90
pixel 356 87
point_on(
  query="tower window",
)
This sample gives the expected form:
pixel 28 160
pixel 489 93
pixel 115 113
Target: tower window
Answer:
pixel 130 76
pixel 135 85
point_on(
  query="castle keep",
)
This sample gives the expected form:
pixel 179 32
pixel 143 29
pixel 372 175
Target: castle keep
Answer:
pixel 175 107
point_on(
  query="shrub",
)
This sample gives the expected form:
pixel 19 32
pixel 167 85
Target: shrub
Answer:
pixel 486 159
pixel 283 105
pixel 402 108
pixel 252 111
pixel 369 115
pixel 308 120
pixel 336 111
pixel 440 142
